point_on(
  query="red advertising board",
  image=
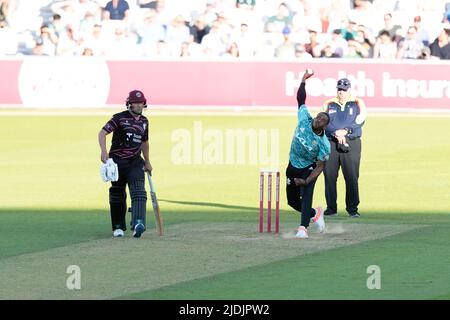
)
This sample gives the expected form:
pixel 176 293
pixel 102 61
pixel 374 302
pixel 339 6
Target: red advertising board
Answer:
pixel 9 70
pixel 44 82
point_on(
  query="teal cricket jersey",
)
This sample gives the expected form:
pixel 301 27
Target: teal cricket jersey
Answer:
pixel 307 147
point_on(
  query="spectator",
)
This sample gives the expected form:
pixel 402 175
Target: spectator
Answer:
pixel 147 4
pixel 286 50
pixel 163 50
pixel 48 40
pixel 67 43
pixel 152 30
pixel 440 48
pixel 300 52
pixel 245 42
pixel 89 7
pixel 67 12
pixel 159 6
pixel 213 43
pixel 3 12
pixel 224 28
pixel 76 10
pixel 185 50
pixel 281 19
pixel 339 44
pixel 447 13
pixel 123 45
pixel 336 14
pixel 422 35
pixel 410 48
pixel 95 41
pixel 356 50
pixel 210 13
pixel 312 18
pixel 300 24
pixel 6 7
pixel 177 32
pixel 365 39
pixel 425 54
pixel 233 51
pixel 38 49
pixel 324 19
pixel 195 49
pixel 389 26
pixel 398 37
pixel 236 18
pixel 325 51
pixel 361 4
pixel 246 4
pixel 199 29
pixel 116 10
pixel 363 12
pixel 87 24
pixel 57 25
pixel 87 52
pixel 309 47
pixel 350 31
pixel 267 43
pixel 384 47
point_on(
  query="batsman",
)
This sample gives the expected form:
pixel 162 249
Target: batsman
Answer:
pixel 129 141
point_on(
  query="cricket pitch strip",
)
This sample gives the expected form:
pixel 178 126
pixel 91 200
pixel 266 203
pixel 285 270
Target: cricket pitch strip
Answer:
pixel 115 267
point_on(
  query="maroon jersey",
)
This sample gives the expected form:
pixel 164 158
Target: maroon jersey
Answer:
pixel 128 135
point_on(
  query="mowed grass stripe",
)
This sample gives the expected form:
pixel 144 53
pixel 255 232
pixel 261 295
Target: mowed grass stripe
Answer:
pixel 59 166
pixel 412 264
pixel 119 267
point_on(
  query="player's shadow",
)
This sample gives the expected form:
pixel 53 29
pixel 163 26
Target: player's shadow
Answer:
pixel 209 204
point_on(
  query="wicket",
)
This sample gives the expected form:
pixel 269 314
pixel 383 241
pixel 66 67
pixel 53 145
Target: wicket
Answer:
pixel 270 173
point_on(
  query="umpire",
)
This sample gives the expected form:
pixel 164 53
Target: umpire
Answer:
pixel 130 139
pixel 347 116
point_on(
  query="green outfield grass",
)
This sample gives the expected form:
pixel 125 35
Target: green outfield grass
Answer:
pixel 54 213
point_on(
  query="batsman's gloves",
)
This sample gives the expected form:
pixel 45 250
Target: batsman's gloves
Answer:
pixel 109 171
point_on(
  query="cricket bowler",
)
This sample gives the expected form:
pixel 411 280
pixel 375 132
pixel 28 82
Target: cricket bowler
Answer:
pixel 310 149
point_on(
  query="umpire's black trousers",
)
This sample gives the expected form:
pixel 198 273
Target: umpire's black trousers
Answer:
pixel 349 161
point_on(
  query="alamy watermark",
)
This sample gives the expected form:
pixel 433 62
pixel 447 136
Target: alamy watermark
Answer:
pixel 73 281
pixel 374 280
pixel 209 146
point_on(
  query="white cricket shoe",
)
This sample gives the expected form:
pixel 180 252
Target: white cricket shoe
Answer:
pixel 118 233
pixel 302 233
pixel 318 219
pixel 139 228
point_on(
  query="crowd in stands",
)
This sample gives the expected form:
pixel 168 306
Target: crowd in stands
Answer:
pixel 227 29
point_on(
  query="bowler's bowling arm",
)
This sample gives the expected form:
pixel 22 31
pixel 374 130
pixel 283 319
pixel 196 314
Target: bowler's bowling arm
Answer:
pixel 316 172
pixel 301 94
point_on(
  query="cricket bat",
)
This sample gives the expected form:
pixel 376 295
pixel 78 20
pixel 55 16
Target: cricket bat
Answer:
pixel 158 218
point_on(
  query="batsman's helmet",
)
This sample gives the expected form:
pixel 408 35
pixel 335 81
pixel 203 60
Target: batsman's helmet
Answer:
pixel 136 96
pixel 343 84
